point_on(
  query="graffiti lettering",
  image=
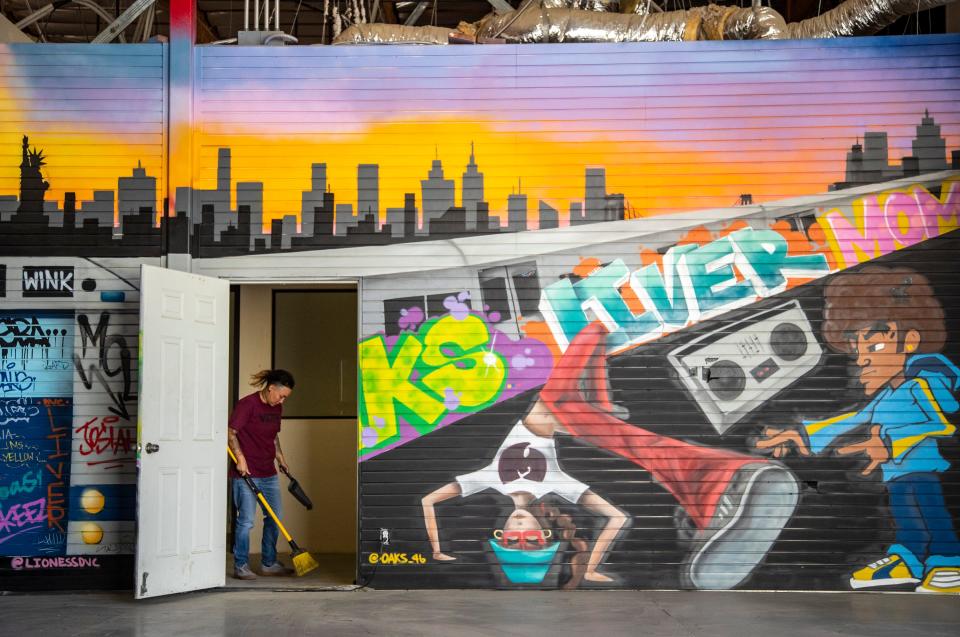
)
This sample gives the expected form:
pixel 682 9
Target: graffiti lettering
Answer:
pixel 448 365
pixel 19 516
pixel 17 410
pixel 47 281
pixel 891 220
pixel 396 558
pixel 697 282
pixel 56 491
pixel 27 483
pixel 15 458
pixel 23 563
pixel 22 332
pixel 15 382
pixel 103 370
pixel 98 437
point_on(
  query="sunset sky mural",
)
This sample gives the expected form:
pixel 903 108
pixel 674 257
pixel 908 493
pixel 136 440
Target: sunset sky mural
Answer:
pixel 675 126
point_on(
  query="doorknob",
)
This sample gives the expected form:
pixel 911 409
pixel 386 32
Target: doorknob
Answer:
pixel 152 448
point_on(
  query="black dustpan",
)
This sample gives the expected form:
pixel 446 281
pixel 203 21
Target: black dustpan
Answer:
pixel 297 491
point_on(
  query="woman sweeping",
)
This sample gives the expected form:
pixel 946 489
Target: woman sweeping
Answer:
pixel 254 438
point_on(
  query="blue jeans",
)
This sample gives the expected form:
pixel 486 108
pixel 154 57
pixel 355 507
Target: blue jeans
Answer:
pixel 925 535
pixel 247 506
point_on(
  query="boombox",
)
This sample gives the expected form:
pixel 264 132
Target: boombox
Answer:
pixel 733 369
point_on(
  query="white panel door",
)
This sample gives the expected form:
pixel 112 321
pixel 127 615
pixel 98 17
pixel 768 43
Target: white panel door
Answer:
pixel 182 432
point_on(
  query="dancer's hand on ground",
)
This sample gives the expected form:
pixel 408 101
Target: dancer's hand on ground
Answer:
pixel 875 448
pixel 780 440
pixel 443 557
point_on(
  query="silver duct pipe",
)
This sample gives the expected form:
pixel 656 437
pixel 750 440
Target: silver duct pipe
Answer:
pixel 594 21
pixel 859 17
pixel 536 24
pixel 548 22
pixel 750 24
pixel 392 34
pixel 612 6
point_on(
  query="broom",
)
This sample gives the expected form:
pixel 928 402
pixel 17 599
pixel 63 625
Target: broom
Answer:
pixel 303 562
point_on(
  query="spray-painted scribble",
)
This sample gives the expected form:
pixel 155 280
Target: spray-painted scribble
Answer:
pixel 35 419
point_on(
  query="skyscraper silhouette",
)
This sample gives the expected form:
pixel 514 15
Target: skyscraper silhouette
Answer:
pixel 134 193
pixel 929 146
pixel 595 193
pixel 368 190
pixel 869 163
pixel 472 190
pixel 516 212
pixel 312 199
pixel 437 195
pixel 549 217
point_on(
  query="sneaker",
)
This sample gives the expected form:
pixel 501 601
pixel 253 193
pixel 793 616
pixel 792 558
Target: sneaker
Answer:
pixel 889 571
pixel 244 572
pixel 750 514
pixel 277 569
pixel 941 580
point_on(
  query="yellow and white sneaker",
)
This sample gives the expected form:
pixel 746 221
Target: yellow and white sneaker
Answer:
pixel 890 571
pixel 941 580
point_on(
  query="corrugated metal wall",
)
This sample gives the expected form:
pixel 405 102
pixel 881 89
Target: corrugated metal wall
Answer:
pixel 81 173
pixel 498 200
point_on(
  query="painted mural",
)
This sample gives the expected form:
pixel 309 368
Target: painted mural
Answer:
pixel 67 421
pixel 757 393
pixel 701 406
pixel 81 196
pixel 302 153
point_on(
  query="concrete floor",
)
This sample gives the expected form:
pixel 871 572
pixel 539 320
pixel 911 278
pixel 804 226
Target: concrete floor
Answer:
pixel 482 613
pixel 336 571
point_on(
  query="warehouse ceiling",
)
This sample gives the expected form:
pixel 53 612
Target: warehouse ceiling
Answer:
pixel 221 19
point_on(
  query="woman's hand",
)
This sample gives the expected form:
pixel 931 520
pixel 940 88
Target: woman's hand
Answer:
pixel 242 466
pixel 781 441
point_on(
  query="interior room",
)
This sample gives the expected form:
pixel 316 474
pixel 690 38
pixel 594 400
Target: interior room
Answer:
pixel 311 332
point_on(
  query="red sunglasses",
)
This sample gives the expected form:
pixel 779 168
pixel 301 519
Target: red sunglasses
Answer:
pixel 519 539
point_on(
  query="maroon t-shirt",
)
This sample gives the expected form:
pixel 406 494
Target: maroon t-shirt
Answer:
pixel 257 425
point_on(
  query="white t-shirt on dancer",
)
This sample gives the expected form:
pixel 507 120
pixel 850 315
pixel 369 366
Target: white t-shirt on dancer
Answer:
pixel 524 463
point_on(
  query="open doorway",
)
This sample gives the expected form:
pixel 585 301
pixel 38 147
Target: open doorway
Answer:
pixel 310 331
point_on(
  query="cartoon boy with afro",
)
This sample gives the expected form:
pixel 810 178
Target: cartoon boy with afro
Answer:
pixel 891 322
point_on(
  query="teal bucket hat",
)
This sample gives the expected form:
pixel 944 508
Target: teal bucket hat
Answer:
pixel 525 567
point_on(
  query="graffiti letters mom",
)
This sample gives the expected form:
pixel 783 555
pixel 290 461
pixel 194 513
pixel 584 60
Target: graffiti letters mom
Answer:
pixel 696 283
pixel 448 365
pixel 892 220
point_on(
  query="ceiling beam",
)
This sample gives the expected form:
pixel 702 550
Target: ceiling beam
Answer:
pixel 123 21
pixel 416 13
pixel 500 5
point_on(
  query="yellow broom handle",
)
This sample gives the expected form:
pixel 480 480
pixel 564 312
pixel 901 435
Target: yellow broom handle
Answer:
pixel 263 500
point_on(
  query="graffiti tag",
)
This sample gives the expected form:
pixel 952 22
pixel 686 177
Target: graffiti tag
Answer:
pixel 22 332
pixel 696 283
pixel 448 365
pixel 20 516
pixel 27 483
pixel 107 345
pixel 14 381
pixel 99 435
pixel 891 220
pixel 23 563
